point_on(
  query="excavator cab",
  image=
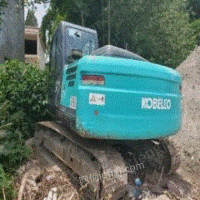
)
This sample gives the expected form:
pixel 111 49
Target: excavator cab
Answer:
pixel 70 42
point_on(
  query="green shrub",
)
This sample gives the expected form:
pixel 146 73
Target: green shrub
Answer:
pixel 7 191
pixel 23 97
pixel 23 92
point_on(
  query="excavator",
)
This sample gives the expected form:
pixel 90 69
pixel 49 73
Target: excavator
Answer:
pixel 112 112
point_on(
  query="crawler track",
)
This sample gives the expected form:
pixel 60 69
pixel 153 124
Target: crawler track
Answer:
pixel 107 166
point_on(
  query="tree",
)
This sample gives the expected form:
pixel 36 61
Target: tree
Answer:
pixel 80 12
pixel 194 9
pixel 31 20
pixel 195 25
pixel 178 35
pixel 3 4
pixel 160 30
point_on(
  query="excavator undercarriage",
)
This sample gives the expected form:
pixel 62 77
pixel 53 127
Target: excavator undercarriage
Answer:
pixel 109 167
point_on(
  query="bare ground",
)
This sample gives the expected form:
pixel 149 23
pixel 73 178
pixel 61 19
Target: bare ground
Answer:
pixel 189 137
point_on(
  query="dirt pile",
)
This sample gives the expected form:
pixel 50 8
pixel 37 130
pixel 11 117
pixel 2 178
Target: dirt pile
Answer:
pixel 188 137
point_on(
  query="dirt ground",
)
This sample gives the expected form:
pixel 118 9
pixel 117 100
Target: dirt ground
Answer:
pixel 189 137
pixel 58 182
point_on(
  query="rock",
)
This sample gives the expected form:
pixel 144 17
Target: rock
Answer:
pixel 36 188
pixel 156 189
pixel 21 170
pixel 29 143
pixel 69 196
pixel 50 177
pixel 36 175
pixel 56 168
pixel 162 197
pixel 31 182
pixel 52 194
pixel 175 189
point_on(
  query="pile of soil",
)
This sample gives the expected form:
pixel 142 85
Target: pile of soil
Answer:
pixel 188 138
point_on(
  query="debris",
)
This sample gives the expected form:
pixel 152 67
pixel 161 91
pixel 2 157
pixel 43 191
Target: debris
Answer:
pixel 31 182
pixel 162 197
pixel 52 194
pixel 56 168
pixel 21 190
pixel 51 176
pixel 136 192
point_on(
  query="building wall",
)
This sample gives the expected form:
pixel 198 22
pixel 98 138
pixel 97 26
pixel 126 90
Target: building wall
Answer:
pixel 42 55
pixel 12 31
pixel 32 33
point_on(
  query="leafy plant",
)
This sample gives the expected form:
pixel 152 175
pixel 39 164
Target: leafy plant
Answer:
pixel 23 97
pixel 5 183
pixel 23 93
pixel 3 4
pixel 195 25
